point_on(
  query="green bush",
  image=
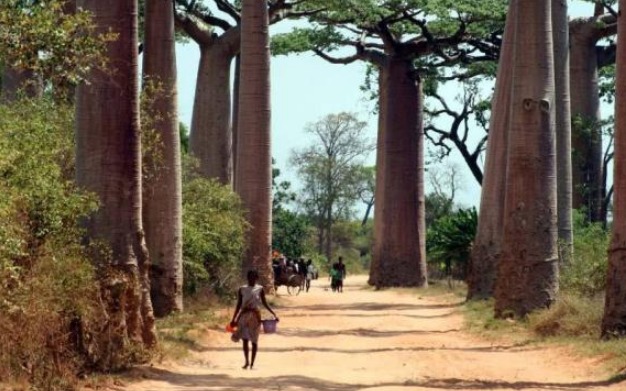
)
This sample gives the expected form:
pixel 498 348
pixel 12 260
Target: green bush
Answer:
pixel 289 232
pixel 449 241
pixel 585 274
pixel 48 291
pixel 213 233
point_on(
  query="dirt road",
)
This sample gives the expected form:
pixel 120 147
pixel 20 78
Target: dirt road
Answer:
pixel 374 341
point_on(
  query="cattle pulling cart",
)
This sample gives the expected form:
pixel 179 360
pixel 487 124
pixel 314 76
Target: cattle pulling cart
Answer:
pixel 289 278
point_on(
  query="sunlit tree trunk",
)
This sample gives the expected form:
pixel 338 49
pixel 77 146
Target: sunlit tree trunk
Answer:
pixel 486 249
pixel 380 186
pixel 254 162
pixel 108 163
pixel 563 128
pixel 402 261
pixel 235 127
pixel 422 266
pixel 528 269
pixel 163 192
pixel 614 320
pixel 563 121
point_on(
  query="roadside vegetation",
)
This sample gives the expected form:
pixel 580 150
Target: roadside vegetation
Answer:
pixel 574 320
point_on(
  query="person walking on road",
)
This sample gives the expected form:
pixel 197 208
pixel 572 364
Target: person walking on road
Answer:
pixel 247 316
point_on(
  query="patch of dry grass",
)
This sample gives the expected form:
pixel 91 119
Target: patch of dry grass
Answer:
pixel 180 333
pixel 573 322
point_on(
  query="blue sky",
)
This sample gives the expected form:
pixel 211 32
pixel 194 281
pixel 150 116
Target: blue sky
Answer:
pixel 305 88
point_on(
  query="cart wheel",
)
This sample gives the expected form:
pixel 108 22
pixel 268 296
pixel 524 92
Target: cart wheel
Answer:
pixel 294 290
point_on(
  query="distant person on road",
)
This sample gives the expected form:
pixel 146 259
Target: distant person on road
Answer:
pixel 247 316
pixel 342 274
pixel 303 271
pixel 335 277
pixel 310 271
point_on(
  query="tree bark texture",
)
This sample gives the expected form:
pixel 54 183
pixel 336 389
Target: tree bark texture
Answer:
pixel 486 249
pixel 162 203
pixel 422 265
pixel 402 258
pixel 614 319
pixel 254 167
pixel 108 163
pixel 528 269
pixel 235 126
pixel 374 276
pixel 563 122
pixel 585 108
pixel 211 135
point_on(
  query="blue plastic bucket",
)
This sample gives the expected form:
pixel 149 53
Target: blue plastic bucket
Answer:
pixel 269 326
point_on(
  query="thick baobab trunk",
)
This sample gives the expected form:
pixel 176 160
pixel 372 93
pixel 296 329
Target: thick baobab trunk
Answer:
pixel 211 136
pixel 528 269
pixel 585 109
pixel 108 163
pixel 162 201
pixel 486 250
pixel 380 185
pixel 401 258
pixel 563 121
pixel 254 161
pixel 614 320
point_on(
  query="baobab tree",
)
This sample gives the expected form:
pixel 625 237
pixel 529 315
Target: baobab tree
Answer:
pixel 218 35
pixel 210 133
pixel 162 202
pixel 563 127
pixel 399 245
pixel 528 268
pixel 586 57
pixel 486 250
pixel 108 163
pixel 254 160
pixel 614 320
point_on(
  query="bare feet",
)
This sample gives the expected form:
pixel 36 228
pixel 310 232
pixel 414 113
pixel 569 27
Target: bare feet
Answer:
pixel 245 367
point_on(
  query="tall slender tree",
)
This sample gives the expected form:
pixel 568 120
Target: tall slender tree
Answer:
pixel 486 250
pixel 108 163
pixel 331 171
pixel 254 161
pixel 563 121
pixel 614 320
pixel 211 135
pixel 162 203
pixel 586 142
pixel 217 31
pixel 379 189
pixel 528 269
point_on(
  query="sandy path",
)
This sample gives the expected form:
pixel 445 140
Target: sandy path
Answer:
pixel 365 340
